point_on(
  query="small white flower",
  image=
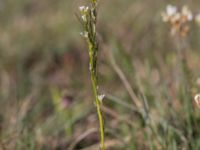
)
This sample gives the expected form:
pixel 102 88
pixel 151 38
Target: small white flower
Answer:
pixel 186 12
pixel 84 34
pixel 190 17
pixel 197 99
pixel 171 10
pixel 101 97
pixel 84 18
pixel 83 9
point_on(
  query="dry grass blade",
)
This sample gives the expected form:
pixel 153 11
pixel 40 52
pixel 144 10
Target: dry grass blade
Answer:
pixel 81 137
pixel 125 81
pixel 115 115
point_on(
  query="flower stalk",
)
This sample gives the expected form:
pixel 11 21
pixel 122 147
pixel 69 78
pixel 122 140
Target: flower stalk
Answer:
pixel 89 19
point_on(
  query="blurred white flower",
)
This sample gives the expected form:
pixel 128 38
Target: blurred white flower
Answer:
pixel 197 99
pixel 178 20
pixel 84 11
pixel 197 19
pixel 176 17
pixel 169 13
pixel 190 17
pixel 83 8
pixel 187 13
pixel 171 10
pixel 198 81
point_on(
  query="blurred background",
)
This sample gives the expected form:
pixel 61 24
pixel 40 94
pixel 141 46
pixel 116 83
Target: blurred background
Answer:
pixel 46 101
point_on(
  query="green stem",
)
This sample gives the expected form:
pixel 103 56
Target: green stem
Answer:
pixel 93 71
pixel 100 117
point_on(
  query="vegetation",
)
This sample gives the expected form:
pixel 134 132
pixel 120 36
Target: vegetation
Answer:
pixel 147 66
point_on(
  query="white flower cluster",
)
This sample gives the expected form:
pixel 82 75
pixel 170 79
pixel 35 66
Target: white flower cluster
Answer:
pixel 178 20
pixel 83 8
pixel 84 11
pixel 172 14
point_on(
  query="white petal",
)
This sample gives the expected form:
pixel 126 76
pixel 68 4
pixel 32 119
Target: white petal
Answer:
pixel 84 18
pixel 197 98
pixel 101 97
pixel 171 10
pixel 197 18
pixel 81 8
pixel 190 17
pixel 84 34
